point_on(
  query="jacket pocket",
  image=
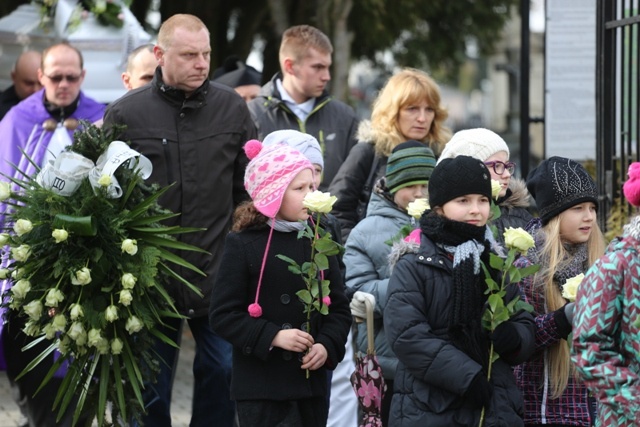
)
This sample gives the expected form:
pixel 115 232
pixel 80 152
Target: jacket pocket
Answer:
pixel 434 399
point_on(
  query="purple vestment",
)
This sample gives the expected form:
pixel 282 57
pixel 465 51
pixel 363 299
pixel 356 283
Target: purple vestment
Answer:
pixel 22 129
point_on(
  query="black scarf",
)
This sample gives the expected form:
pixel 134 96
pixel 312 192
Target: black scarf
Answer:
pixel 470 245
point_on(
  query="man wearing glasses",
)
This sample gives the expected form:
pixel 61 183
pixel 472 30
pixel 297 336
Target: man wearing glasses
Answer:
pixel 41 125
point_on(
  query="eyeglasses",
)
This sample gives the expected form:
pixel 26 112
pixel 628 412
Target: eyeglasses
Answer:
pixel 68 77
pixel 499 167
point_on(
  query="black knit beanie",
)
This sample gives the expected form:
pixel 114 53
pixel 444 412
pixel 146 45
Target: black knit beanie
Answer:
pixel 558 184
pixel 458 177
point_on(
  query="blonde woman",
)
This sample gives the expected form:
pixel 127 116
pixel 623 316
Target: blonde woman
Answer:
pixel 568 241
pixel 407 108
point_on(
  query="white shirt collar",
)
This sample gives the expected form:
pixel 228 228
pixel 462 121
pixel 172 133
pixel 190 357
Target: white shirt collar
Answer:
pixel 301 110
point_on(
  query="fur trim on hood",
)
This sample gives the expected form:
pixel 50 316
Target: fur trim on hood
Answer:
pixel 520 197
pixel 400 248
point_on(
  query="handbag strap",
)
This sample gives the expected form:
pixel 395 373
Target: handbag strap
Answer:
pixel 368 187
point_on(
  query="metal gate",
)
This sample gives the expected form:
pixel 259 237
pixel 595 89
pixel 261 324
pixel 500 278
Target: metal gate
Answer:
pixel 618 97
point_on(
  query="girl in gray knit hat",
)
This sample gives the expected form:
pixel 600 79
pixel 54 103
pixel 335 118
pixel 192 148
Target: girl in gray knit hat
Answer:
pixel 490 148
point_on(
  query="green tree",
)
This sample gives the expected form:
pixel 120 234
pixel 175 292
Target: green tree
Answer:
pixel 432 35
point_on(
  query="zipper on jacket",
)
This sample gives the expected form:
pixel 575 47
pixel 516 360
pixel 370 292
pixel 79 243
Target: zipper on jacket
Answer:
pixel 167 160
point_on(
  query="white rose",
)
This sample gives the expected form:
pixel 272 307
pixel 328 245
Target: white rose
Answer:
pixel 49 331
pixel 317 201
pixel 76 332
pixel 17 274
pixel 21 253
pixel 22 226
pixel 59 322
pixel 111 313
pixel 130 246
pixel 21 288
pixel 125 297
pixel 94 337
pixel 116 346
pixel 76 311
pixel 53 298
pixel 570 287
pixel 31 329
pixel 4 273
pixel 63 345
pixel 517 238
pixel 495 189
pixel 103 346
pixel 60 235
pixel 128 281
pixel 5 190
pixel 4 239
pixel 105 180
pixel 82 277
pixel 33 310
pixel 133 325
pixel 417 207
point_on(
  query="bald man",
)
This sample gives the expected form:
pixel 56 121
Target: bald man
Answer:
pixel 141 65
pixel 25 81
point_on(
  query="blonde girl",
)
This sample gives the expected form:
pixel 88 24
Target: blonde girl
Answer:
pixel 568 241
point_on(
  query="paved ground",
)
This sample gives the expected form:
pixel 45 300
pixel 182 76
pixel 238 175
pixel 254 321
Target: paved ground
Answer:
pixel 182 390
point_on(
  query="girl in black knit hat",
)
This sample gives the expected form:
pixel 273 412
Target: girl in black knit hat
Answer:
pixel 568 241
pixel 435 304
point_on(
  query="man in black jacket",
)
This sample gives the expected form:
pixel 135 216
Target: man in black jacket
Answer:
pixel 297 98
pixel 193 132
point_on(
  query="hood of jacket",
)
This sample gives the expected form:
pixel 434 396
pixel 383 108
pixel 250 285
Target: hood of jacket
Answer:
pixel 519 196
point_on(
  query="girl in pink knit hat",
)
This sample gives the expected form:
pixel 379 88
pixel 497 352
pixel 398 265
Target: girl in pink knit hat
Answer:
pixel 254 304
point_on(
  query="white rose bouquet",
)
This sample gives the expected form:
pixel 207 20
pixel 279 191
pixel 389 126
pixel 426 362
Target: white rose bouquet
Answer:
pixel 315 297
pixel 88 272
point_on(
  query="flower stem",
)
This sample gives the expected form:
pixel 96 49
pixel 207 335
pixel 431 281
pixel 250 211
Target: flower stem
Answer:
pixel 488 379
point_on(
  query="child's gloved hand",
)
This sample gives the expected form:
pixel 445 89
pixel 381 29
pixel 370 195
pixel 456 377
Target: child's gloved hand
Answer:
pixel 358 309
pixel 506 338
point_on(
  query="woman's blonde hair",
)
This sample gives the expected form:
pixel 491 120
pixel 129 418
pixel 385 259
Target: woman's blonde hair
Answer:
pixel 554 252
pixel 409 86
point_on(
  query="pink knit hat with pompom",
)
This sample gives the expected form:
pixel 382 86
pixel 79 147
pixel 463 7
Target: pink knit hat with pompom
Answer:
pixel 631 188
pixel 270 172
pixel 266 179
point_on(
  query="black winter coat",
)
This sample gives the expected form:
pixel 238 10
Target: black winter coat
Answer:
pixel 433 375
pixel 261 372
pixel 196 144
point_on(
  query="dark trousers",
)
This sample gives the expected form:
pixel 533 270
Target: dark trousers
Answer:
pixel 212 405
pixel 311 412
